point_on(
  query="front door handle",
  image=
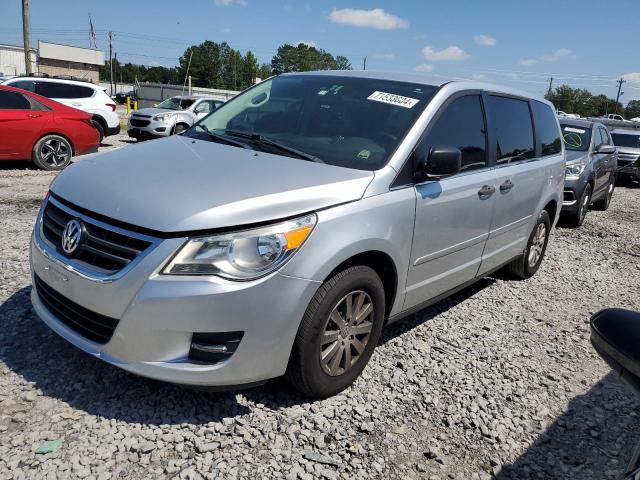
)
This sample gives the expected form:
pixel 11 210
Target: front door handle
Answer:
pixel 506 186
pixel 34 115
pixel 486 191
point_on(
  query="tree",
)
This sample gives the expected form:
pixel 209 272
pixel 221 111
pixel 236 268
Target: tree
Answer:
pixel 633 109
pixel 302 58
pixel 264 71
pixel 249 69
pixel 581 101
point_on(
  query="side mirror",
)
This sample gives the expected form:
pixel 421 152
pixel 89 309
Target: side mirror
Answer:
pixel 615 334
pixel 606 149
pixel 442 161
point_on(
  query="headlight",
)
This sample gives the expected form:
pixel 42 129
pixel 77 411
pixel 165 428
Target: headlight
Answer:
pixel 243 255
pixel 574 171
pixel 162 117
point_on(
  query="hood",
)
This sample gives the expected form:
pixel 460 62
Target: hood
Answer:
pixel 629 150
pixel 180 184
pixel 572 156
pixel 151 111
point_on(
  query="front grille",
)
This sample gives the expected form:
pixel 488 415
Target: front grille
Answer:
pixel 101 250
pixel 91 325
pixel 140 115
pixel 139 123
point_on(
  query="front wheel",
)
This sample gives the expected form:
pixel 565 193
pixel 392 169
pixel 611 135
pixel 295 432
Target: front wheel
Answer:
pixel 528 264
pixel 52 152
pixel 338 333
pixel 604 202
pixel 576 219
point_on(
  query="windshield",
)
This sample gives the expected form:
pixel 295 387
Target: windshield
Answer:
pixel 576 138
pixel 349 122
pixel 626 140
pixel 176 103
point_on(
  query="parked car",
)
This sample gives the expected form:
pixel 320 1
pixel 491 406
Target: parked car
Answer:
pixel 635 119
pixel 615 335
pixel 613 116
pixel 41 130
pixel 590 176
pixel 628 143
pixel 278 235
pixel 77 94
pixel 172 116
pixel 121 97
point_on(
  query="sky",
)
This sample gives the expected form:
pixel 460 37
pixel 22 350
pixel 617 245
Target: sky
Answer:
pixel 587 43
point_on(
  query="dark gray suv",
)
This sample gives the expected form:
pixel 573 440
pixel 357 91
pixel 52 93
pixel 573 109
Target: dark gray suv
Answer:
pixel 590 173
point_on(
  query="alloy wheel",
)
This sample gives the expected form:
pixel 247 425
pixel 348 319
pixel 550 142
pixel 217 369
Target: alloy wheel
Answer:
pixel 346 333
pixel 584 206
pixel 537 245
pixel 54 152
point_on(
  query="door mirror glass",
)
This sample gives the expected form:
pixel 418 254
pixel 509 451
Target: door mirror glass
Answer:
pixel 615 334
pixel 606 149
pixel 441 161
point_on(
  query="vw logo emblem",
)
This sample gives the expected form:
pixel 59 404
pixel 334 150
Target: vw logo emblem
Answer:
pixel 71 237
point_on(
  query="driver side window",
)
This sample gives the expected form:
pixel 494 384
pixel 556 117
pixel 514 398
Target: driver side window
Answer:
pixel 461 125
pixel 203 107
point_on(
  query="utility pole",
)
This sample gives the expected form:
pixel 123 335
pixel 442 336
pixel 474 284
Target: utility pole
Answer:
pixel 110 64
pixel 619 82
pixel 364 63
pixel 550 85
pixel 26 34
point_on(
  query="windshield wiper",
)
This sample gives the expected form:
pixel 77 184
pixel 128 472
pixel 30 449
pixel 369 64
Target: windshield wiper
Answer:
pixel 222 138
pixel 258 138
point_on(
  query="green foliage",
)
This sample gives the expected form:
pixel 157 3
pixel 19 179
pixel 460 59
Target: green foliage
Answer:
pixel 582 102
pixel 303 58
pixel 217 65
pixel 633 109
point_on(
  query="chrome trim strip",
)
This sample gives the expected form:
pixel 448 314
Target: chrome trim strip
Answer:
pixel 68 264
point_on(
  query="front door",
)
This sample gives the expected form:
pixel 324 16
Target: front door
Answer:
pixel 21 122
pixel 452 214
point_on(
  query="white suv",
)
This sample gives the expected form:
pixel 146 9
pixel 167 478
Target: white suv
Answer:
pixel 77 94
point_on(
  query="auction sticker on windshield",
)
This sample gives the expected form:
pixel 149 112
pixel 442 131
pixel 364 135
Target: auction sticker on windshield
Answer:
pixel 392 99
pixel 574 130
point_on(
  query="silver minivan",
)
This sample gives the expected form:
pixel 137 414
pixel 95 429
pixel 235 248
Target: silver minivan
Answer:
pixel 282 232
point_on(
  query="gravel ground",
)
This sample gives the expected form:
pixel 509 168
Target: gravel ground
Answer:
pixel 498 381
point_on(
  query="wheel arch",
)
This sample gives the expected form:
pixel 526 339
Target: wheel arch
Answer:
pixel 101 120
pixel 54 132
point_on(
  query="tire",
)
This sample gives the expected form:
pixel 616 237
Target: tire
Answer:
pixel 98 126
pixel 179 128
pixel 575 220
pixel 312 368
pixel 604 202
pixel 52 152
pixel 527 265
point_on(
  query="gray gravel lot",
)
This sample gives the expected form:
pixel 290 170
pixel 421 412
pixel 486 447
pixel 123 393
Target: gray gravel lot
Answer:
pixel 498 381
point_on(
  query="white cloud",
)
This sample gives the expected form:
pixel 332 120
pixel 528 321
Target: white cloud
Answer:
pixel 375 18
pixel 451 53
pixel 153 63
pixel 479 77
pixel 633 77
pixel 387 57
pixel 484 40
pixel 308 43
pixel 225 30
pixel 557 55
pixel 527 62
pixel 424 68
pixel 228 3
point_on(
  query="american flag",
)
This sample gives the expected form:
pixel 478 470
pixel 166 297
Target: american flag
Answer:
pixel 92 34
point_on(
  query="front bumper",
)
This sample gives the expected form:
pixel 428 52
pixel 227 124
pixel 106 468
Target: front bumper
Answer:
pixel 573 190
pixel 158 314
pixel 149 128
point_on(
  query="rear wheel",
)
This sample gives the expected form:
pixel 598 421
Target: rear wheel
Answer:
pixel 98 126
pixel 338 333
pixel 52 152
pixel 604 202
pixel 527 265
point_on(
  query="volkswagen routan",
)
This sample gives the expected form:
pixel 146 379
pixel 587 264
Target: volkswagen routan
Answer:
pixel 282 232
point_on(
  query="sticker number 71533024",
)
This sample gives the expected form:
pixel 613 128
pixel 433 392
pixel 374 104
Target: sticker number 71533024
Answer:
pixel 392 99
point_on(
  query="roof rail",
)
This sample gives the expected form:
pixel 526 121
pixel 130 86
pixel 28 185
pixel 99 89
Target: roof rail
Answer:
pixel 38 74
pixel 71 77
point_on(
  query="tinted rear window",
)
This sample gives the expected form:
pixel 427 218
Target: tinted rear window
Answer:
pixel 63 90
pixel 513 129
pixel 547 129
pixel 624 140
pixel 13 101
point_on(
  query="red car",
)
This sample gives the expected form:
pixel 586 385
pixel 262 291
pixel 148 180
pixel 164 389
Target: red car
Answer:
pixel 48 133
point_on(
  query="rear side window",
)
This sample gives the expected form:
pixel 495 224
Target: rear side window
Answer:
pixel 25 85
pixel 513 129
pixel 461 125
pixel 547 129
pixel 605 136
pixel 63 90
pixel 13 101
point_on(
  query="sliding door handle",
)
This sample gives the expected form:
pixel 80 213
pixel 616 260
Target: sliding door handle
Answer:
pixel 486 191
pixel 506 186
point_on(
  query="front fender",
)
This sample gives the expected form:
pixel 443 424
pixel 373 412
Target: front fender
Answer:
pixel 382 223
